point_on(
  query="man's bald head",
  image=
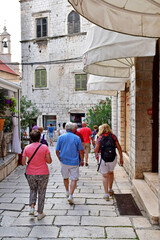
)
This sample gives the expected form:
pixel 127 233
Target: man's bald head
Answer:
pixel 83 124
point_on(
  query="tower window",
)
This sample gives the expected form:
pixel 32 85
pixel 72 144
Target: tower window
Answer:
pixel 73 22
pixel 81 82
pixel 40 78
pixel 41 27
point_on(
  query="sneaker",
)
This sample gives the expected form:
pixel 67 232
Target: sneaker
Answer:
pixel 31 212
pixel 106 197
pixel 86 164
pixel 70 200
pixel 67 194
pixel 111 193
pixel 40 216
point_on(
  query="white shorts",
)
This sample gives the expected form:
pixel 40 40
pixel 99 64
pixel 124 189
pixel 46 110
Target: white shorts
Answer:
pixel 106 167
pixel 69 171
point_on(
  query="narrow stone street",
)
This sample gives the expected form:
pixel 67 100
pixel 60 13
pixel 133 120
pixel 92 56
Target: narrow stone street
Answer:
pixel 90 218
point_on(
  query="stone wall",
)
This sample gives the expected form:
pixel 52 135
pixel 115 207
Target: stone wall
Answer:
pixel 143 124
pixel 114 102
pixel 7 165
pixel 132 124
pixel 121 119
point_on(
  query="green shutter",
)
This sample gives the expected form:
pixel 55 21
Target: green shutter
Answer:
pixel 80 82
pixel 84 81
pixel 40 78
pixel 43 78
pixel 37 79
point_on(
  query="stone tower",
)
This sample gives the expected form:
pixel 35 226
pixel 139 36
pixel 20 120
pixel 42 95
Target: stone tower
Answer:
pixel 53 41
pixel 5 45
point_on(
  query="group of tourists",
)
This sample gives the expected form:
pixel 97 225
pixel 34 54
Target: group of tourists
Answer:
pixel 72 149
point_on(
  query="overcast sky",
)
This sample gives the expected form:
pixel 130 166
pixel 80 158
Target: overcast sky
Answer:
pixel 10 16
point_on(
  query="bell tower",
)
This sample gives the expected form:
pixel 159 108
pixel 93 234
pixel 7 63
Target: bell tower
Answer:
pixel 5 45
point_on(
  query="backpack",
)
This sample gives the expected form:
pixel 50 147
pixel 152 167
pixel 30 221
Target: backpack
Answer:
pixel 108 148
pixel 43 141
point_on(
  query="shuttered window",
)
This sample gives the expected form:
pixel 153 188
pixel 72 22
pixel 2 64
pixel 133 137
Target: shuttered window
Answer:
pixel 73 23
pixel 40 78
pixel 41 24
pixel 80 82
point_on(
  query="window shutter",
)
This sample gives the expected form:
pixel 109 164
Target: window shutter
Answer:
pixel 43 78
pixel 80 82
pixel 41 25
pixel 40 78
pixel 44 27
pixel 84 82
pixel 37 79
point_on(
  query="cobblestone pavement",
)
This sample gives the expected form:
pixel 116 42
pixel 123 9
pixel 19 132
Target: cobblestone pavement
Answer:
pixel 90 218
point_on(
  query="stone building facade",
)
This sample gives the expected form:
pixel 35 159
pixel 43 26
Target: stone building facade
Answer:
pixel 53 41
pixel 138 132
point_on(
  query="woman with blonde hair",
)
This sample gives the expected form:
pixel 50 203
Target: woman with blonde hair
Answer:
pixel 106 144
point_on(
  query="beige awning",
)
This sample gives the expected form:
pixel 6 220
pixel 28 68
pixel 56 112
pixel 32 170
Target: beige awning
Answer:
pixel 133 17
pixel 111 54
pixel 105 86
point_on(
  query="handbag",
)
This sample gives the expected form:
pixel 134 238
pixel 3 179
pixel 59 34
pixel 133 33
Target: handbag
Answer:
pixel 31 158
pixel 44 141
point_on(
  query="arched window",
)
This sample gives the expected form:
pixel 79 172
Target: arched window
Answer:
pixel 73 22
pixel 40 78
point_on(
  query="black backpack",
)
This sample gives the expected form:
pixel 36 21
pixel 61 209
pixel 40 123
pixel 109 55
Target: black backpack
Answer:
pixel 108 148
pixel 43 141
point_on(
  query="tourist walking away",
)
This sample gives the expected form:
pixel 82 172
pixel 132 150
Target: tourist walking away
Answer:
pixel 43 136
pixel 68 148
pixel 94 132
pixel 50 132
pixel 81 161
pixel 107 143
pixel 34 126
pixel 86 133
pixel 37 172
pixel 62 131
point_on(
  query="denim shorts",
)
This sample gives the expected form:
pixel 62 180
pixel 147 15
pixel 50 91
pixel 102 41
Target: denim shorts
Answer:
pixel 50 135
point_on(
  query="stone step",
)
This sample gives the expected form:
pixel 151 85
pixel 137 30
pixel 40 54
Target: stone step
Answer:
pixel 148 199
pixel 152 181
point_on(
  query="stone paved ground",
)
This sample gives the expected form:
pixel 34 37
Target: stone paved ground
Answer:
pixel 90 218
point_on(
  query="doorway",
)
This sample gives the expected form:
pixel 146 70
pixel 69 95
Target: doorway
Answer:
pixel 77 118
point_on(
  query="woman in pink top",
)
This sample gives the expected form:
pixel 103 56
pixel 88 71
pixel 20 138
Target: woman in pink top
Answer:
pixel 37 172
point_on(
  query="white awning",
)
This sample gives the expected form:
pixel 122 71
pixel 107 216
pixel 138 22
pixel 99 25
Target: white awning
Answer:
pixel 5 84
pixel 105 86
pixel 133 17
pixel 112 54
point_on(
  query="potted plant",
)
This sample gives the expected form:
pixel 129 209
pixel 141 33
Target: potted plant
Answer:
pixel 11 104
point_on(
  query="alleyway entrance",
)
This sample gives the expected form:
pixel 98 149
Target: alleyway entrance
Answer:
pixel 90 218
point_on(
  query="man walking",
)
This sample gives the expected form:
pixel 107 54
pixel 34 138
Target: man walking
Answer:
pixel 82 140
pixel 86 133
pixel 68 148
